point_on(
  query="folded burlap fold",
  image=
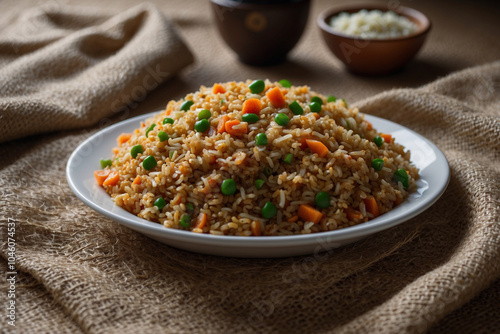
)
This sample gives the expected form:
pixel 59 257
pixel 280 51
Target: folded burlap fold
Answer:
pixel 69 67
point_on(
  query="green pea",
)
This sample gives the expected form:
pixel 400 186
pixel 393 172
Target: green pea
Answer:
pixel 282 119
pixel 317 99
pixel 315 107
pixel 189 207
pixel 296 108
pixel 285 83
pixel 322 200
pixel 149 163
pixel 331 98
pixel 186 105
pixel 259 183
pixel 136 150
pixel 378 141
pixel 168 120
pixel 151 127
pixel 267 171
pixel 202 126
pixel 261 139
pixel 204 114
pixel 106 163
pixel 160 203
pixel 162 136
pixel 257 86
pixel 228 187
pixel 185 221
pixel 402 176
pixel 250 118
pixel 269 210
pixel 378 163
pixel 288 158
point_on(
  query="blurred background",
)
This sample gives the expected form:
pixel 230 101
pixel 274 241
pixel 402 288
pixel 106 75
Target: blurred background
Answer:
pixel 463 34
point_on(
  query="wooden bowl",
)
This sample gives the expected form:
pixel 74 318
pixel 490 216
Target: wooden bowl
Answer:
pixel 261 32
pixel 374 56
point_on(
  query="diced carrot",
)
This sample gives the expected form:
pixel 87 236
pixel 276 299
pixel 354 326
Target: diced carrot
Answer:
pixel 169 111
pixel 235 127
pixel 317 147
pixel 221 127
pixel 292 219
pixel 218 89
pixel 276 97
pixel 137 180
pixel 303 143
pixel 387 137
pixel 116 150
pixel 112 179
pixel 316 115
pixel 101 175
pixel 310 214
pixel 252 106
pixel 201 220
pixel 353 215
pixel 369 126
pixel 408 172
pixel 223 108
pixel 255 227
pixel 123 138
pixel 372 206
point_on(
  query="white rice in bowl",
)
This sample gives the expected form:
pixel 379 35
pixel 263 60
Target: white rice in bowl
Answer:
pixel 373 24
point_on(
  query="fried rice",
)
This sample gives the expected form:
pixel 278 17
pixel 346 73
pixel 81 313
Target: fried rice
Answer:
pixel 182 187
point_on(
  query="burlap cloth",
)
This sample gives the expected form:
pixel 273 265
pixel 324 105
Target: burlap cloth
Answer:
pixel 64 68
pixel 80 272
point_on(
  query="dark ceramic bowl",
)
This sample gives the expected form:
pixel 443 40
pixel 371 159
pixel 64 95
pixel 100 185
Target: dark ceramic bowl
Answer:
pixel 374 56
pixel 261 32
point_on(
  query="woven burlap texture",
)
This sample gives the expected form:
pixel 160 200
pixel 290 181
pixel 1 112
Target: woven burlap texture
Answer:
pixel 80 272
pixel 83 272
pixel 65 67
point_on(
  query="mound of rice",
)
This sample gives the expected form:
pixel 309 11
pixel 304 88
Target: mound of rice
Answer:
pixel 191 166
pixel 373 24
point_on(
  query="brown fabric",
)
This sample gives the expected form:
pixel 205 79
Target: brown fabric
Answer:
pixel 64 68
pixel 80 272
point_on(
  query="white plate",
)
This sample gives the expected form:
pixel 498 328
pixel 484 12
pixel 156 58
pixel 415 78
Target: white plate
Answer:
pixel 434 177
